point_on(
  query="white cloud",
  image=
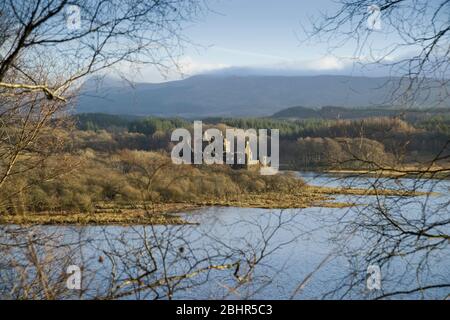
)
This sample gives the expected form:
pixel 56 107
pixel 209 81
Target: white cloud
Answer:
pixel 326 63
pixel 189 66
pixel 183 67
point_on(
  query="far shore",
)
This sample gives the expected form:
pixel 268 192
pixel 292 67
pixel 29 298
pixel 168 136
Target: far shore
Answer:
pixel 427 173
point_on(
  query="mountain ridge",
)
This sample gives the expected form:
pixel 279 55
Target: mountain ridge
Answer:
pixel 239 95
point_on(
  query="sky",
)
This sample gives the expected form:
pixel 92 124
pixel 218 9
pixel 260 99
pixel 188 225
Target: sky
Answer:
pixel 258 34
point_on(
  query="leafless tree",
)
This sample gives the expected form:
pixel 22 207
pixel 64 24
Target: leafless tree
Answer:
pixel 46 52
pixel 415 50
pixel 143 262
pixel 405 236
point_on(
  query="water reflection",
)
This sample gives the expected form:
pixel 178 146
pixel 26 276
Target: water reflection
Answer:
pixel 239 253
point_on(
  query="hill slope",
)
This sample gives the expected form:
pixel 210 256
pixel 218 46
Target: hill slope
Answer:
pixel 230 96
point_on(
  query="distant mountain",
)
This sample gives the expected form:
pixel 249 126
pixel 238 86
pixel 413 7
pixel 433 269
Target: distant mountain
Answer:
pixel 333 112
pixel 297 113
pixel 231 96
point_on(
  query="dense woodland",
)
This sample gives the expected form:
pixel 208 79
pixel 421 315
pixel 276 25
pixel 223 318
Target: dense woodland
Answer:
pixel 108 158
pixel 311 143
pixel 86 179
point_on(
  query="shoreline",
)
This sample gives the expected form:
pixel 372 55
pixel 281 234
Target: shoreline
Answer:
pixel 394 174
pixel 168 213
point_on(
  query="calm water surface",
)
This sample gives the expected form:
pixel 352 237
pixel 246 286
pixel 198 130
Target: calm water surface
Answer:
pixel 288 246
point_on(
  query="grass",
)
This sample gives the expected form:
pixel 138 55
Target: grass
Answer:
pixel 165 213
pixel 91 218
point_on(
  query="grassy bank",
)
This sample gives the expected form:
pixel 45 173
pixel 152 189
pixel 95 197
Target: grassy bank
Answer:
pixel 166 213
pixel 138 187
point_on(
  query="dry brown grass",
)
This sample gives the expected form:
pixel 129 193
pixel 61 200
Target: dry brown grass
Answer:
pixel 301 196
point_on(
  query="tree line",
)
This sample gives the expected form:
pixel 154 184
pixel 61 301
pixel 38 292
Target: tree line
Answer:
pixel 307 143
